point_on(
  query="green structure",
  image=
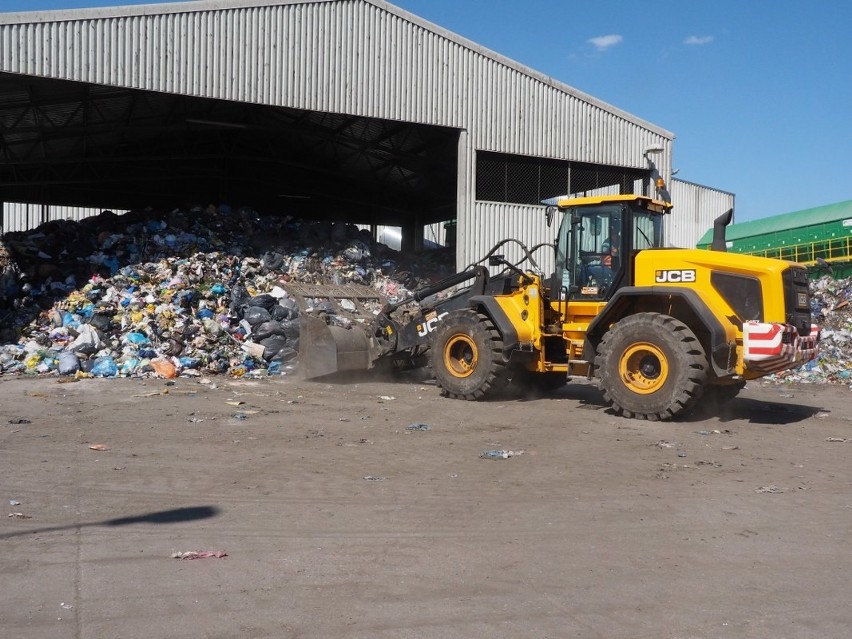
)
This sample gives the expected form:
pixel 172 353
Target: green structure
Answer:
pixel 808 237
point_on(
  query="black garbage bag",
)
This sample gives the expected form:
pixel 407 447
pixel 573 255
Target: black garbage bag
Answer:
pixel 280 313
pixel 272 346
pixel 255 315
pixel 239 297
pixel 290 329
pixel 266 330
pixel 286 354
pixel 290 304
pixel 264 301
pixel 101 322
pixel 272 261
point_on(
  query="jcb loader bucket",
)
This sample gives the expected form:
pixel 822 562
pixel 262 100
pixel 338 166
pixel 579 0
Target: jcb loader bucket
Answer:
pixel 325 349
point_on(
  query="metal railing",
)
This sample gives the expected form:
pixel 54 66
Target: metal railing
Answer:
pixel 837 249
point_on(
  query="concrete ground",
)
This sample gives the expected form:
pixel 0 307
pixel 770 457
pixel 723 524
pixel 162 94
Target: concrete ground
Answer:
pixel 341 520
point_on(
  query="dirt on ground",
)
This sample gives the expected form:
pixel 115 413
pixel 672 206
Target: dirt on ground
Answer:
pixel 366 509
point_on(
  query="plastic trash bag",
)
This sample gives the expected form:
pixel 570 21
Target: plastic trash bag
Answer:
pixel 87 342
pixel 137 339
pixel 104 367
pixel 267 329
pixel 272 346
pixel 69 363
pixel 255 315
pixel 264 301
pixel 164 368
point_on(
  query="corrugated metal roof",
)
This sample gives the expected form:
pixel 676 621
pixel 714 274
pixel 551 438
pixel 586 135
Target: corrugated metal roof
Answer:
pixel 785 222
pixel 197 6
pixel 294 53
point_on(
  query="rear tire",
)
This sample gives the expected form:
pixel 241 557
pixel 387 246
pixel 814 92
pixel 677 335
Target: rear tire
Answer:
pixel 467 356
pixel 651 366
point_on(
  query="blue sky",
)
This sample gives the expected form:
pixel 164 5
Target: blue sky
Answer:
pixel 757 92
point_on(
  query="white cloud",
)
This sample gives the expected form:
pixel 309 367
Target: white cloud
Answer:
pixel 698 40
pixel 602 43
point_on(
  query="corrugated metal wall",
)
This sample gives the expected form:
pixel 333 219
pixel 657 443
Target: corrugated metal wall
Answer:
pixel 695 208
pixel 20 216
pixel 497 221
pixel 360 57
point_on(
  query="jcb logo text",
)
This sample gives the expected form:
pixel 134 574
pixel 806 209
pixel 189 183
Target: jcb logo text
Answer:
pixel 663 277
pixel 429 325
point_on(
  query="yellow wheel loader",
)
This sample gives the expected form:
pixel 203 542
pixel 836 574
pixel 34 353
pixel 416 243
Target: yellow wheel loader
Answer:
pixel 658 327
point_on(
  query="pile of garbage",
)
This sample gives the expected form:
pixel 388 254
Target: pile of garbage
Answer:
pixel 831 308
pixel 187 292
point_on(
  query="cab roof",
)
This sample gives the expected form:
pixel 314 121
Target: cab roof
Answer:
pixel 564 201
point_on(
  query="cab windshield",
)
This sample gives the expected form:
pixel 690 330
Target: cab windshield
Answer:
pixel 594 243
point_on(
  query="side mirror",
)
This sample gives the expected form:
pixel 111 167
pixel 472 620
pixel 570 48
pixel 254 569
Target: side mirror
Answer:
pixel 548 215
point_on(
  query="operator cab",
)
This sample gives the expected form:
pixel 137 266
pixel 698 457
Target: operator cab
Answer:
pixel 598 237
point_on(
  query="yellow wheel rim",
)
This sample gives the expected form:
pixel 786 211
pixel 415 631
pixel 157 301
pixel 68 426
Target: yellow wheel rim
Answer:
pixel 461 355
pixel 644 368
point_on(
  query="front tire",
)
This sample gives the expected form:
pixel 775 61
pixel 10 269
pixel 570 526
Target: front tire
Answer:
pixel 651 366
pixel 467 356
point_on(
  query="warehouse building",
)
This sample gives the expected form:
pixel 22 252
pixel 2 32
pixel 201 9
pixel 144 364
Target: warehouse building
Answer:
pixel 331 109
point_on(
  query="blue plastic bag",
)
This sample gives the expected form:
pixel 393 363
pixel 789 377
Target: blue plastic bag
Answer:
pixel 105 367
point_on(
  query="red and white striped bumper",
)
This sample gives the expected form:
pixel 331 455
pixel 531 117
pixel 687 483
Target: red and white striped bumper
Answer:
pixel 770 348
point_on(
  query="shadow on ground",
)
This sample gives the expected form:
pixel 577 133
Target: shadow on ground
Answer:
pixel 177 515
pixel 754 411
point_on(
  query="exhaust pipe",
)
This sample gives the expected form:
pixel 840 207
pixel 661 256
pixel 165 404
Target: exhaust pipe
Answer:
pixel 719 224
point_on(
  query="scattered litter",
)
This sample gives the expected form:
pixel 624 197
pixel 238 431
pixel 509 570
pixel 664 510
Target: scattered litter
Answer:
pixel 195 420
pixel 418 427
pixel 838 440
pixel 375 477
pixel 200 554
pixel 66 606
pixel 234 403
pixel 500 454
pixel 681 452
pixel 14 502
pixel 772 488
pixel 664 444
pixel 98 447
pixel 387 398
pixel 20 420
pixel 19 516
